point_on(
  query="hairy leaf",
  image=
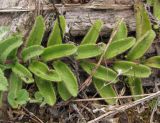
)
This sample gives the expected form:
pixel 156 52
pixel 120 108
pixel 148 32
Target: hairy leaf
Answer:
pixel 156 9
pixel 47 90
pixel 3 82
pixel 15 83
pixel 88 51
pixel 122 32
pixel 136 88
pixel 132 69
pixel 8 45
pixel 23 73
pixel 118 47
pixel 143 23
pixel 31 52
pixel 58 31
pixel 3 32
pixel 21 98
pixel 93 33
pixel 102 73
pixel 58 51
pixel 63 92
pixel 37 32
pixel 41 70
pixel 68 77
pixel 105 91
pixel 153 62
pixel 141 46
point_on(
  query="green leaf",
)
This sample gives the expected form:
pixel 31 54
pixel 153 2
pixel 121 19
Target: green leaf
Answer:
pixel 58 51
pixel 56 35
pixel 21 98
pixel 23 73
pixel 88 51
pixel 16 96
pixel 122 32
pixel 102 73
pixel 136 88
pixel 15 84
pixel 38 97
pixel 150 2
pixel 3 32
pixel 63 92
pixel 41 70
pixel 31 52
pixel 156 9
pixel 37 32
pixel 93 33
pixel 47 91
pixel 105 91
pixel 118 47
pixel 153 62
pixel 68 77
pixel 132 69
pixel 3 82
pixel 8 45
pixel 143 23
pixel 141 46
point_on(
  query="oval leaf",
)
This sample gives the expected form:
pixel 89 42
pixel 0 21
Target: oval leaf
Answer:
pixel 143 23
pixel 41 70
pixel 3 32
pixel 21 98
pixel 68 77
pixel 105 91
pixel 132 69
pixel 23 73
pixel 15 83
pixel 3 82
pixel 58 51
pixel 102 73
pixel 56 35
pixel 47 91
pixel 118 47
pixel 156 9
pixel 141 46
pixel 63 92
pixel 136 88
pixel 93 33
pixel 31 52
pixel 8 45
pixel 37 32
pixel 88 51
pixel 122 32
pixel 153 62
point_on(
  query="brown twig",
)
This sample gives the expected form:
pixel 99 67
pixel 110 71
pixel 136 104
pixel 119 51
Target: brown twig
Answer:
pixel 125 107
pixel 87 82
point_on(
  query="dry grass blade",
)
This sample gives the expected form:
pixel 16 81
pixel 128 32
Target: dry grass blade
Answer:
pixel 87 82
pixel 125 107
